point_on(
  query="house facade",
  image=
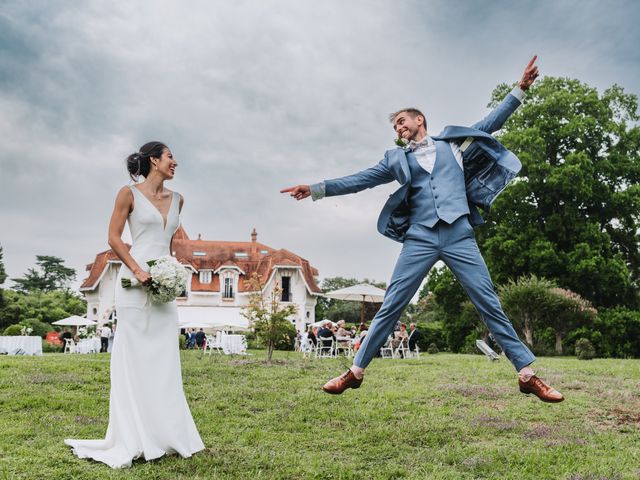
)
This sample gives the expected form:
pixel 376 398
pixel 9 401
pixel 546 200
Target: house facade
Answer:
pixel 218 288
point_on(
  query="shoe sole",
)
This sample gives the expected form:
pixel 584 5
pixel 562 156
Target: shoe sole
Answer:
pixel 543 399
pixel 337 393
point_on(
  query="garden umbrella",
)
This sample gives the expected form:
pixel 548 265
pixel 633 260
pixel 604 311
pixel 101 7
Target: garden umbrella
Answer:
pixel 75 321
pixel 362 292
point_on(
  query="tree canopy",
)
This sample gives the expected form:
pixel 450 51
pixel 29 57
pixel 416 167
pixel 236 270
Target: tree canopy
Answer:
pixel 49 275
pixel 574 212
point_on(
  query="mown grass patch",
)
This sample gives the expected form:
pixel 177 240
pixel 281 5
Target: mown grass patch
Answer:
pixel 442 416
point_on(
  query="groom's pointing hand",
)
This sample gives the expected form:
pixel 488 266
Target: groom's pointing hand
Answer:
pixel 298 192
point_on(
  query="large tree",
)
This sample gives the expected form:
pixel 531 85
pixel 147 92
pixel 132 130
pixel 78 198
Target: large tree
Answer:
pixel 573 213
pixel 50 275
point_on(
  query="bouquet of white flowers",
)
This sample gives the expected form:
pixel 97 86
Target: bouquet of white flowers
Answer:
pixel 26 331
pixel 168 279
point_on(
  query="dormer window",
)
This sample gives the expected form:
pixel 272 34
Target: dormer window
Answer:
pixel 205 276
pixel 228 288
pixel 241 254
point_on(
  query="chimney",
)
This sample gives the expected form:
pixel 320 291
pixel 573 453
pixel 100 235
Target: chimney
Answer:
pixel 254 239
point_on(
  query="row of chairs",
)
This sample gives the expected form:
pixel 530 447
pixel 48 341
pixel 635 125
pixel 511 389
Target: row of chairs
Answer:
pixel 330 348
pixel 402 350
pixel 326 348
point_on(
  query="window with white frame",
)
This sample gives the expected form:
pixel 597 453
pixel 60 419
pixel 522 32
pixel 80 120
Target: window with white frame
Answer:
pixel 228 286
pixel 205 276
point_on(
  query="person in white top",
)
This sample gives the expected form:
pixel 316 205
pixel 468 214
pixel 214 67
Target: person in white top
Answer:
pixel 105 334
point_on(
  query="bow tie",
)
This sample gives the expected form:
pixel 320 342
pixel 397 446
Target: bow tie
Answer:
pixel 413 145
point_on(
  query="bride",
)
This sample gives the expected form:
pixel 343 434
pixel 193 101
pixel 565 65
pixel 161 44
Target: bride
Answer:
pixel 148 412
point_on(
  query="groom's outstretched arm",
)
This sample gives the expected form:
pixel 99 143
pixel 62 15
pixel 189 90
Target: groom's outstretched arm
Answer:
pixel 512 101
pixel 369 178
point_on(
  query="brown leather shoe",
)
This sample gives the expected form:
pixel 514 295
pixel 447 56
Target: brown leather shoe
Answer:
pixel 541 390
pixel 339 384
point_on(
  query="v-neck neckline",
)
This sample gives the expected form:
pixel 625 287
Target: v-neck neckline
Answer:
pixel 165 220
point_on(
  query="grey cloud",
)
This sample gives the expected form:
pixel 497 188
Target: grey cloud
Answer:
pixel 253 96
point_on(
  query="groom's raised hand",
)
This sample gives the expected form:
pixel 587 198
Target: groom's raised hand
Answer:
pixel 298 192
pixel 530 74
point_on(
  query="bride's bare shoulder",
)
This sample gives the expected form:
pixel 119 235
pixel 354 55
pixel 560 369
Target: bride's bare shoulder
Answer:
pixel 125 194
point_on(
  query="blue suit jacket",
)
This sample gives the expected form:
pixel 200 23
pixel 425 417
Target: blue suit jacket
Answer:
pixel 488 168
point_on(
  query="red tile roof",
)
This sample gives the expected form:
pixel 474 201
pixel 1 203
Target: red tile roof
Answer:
pixel 96 268
pixel 216 254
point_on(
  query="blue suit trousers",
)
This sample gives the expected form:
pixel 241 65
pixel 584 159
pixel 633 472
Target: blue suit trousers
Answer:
pixel 454 244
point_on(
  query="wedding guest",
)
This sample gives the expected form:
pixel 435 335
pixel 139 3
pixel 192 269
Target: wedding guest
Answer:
pixel 66 334
pixel 325 331
pixel 200 336
pixel 414 336
pixel 105 334
pixel 342 334
pixel 112 337
pixel 191 342
pixel 341 331
pixel 399 336
pixel 312 336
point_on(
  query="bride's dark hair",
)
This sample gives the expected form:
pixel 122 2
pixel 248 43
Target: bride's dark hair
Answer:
pixel 139 163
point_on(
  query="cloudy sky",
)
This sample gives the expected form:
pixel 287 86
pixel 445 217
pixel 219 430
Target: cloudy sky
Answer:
pixel 254 96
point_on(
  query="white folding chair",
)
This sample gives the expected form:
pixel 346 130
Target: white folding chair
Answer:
pixel 69 345
pixel 213 344
pixel 402 350
pixel 325 347
pixel 344 345
pixel 387 350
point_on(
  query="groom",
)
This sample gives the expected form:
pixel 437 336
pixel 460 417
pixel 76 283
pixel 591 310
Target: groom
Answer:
pixel 443 180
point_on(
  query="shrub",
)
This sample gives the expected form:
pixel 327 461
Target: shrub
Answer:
pixel 40 329
pixel 432 349
pixel 182 342
pixel 432 332
pixel 584 349
pixel 13 330
pixel 48 348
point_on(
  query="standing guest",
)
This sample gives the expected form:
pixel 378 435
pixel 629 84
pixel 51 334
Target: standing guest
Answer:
pixel 414 336
pixel 200 337
pixel 112 337
pixel 105 335
pixel 191 342
pixel 443 180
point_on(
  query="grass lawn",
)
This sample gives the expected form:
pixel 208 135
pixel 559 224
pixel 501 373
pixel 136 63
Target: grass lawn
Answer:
pixel 441 416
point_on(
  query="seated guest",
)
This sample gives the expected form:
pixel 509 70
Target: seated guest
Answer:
pixel 325 332
pixel 200 336
pixel 399 336
pixel 414 336
pixel 341 331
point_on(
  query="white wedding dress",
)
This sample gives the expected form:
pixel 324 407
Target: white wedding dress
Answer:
pixel 148 412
